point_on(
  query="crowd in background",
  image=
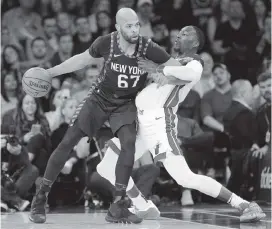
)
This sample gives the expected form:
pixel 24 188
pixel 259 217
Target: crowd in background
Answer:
pixel 224 123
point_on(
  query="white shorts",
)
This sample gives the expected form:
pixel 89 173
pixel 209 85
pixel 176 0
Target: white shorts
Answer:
pixel 157 133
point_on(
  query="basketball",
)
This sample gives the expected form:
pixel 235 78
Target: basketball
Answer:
pixel 36 82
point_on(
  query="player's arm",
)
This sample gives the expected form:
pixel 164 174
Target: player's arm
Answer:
pixel 81 60
pixel 159 60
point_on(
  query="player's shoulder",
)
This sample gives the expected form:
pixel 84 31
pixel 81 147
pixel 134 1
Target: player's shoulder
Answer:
pixel 105 39
pixel 197 57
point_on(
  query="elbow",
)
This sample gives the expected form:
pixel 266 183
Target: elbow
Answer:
pixel 206 120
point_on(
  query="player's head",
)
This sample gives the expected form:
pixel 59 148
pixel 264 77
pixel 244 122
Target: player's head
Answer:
pixel 189 37
pixel 128 25
pixel 264 82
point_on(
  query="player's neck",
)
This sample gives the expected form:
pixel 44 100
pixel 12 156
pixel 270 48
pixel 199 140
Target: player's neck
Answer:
pixel 126 47
pixel 189 52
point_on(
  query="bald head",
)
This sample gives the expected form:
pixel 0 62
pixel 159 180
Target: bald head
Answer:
pixel 125 15
pixel 242 89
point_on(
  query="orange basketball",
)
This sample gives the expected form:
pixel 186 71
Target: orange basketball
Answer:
pixel 36 82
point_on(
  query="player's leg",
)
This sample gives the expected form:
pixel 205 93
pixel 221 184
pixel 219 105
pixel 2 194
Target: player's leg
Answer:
pixel 106 168
pixel 177 167
pixel 87 120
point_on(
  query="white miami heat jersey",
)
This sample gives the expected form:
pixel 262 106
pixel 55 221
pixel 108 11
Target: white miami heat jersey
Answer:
pixel 168 95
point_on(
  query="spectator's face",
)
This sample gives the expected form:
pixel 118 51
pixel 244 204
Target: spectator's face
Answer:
pixel 39 49
pixel 265 89
pixel 27 4
pixel 259 8
pixel 91 75
pixel 71 4
pixel 11 56
pixel 50 27
pixel 146 10
pixel 60 97
pixel 208 63
pixel 82 25
pixel 56 5
pixel 69 109
pixel 5 36
pixel 63 21
pixel 221 77
pixel 224 4
pixel 10 83
pixel 130 31
pixel 66 44
pixel 236 10
pixel 103 5
pixel 267 26
pixel 29 105
pixel 103 20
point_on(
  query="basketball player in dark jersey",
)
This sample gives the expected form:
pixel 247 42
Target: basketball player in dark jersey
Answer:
pixel 112 98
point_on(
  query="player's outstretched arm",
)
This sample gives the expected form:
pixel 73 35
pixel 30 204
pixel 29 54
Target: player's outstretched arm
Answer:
pixel 74 63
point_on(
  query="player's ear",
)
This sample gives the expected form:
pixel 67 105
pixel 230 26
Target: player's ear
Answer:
pixel 117 27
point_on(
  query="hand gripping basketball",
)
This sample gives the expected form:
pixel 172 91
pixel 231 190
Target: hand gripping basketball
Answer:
pixel 37 82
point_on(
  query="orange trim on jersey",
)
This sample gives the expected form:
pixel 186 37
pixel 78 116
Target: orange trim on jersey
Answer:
pixel 114 147
pixel 173 98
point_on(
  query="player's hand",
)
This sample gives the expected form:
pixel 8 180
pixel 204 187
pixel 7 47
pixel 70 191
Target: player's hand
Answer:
pixel 185 60
pixel 67 168
pixel 254 147
pixel 14 150
pixel 147 65
pixel 28 136
pixel 160 79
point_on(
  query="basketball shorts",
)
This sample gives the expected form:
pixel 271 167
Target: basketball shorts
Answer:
pixel 94 110
pixel 156 133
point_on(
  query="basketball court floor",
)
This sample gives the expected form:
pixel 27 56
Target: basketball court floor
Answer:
pixel 198 217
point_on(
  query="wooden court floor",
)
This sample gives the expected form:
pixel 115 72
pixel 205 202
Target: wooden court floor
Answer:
pixel 198 217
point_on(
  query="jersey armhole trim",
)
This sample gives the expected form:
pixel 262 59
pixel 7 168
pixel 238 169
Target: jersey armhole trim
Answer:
pixel 111 53
pixel 146 45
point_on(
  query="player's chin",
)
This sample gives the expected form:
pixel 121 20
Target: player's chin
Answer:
pixel 134 40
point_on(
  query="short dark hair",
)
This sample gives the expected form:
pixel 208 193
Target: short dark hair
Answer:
pixel 264 76
pixel 220 65
pixel 37 39
pixel 47 18
pixel 200 37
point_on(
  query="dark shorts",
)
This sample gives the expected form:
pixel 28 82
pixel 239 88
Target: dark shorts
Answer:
pixel 95 110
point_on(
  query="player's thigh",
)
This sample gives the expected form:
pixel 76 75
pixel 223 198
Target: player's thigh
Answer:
pixel 140 147
pixel 89 116
pixel 125 114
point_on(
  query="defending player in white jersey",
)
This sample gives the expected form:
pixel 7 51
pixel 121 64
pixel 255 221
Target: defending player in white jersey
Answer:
pixel 157 105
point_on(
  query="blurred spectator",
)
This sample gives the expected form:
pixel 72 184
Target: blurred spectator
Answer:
pixel 219 16
pixel 65 44
pixel 97 6
pixel 90 76
pixel 263 46
pixel 240 124
pixel 125 3
pixel 104 23
pixel 65 23
pixel 51 7
pixel 32 130
pixel 11 59
pixel 7 38
pixel 55 116
pixel 161 34
pixel 145 14
pixel 216 102
pixel 18 166
pixel 206 82
pixel 176 13
pixel 49 24
pixel 83 37
pixel 234 40
pixel 190 107
pixel 10 91
pixel 22 21
pixel 260 14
